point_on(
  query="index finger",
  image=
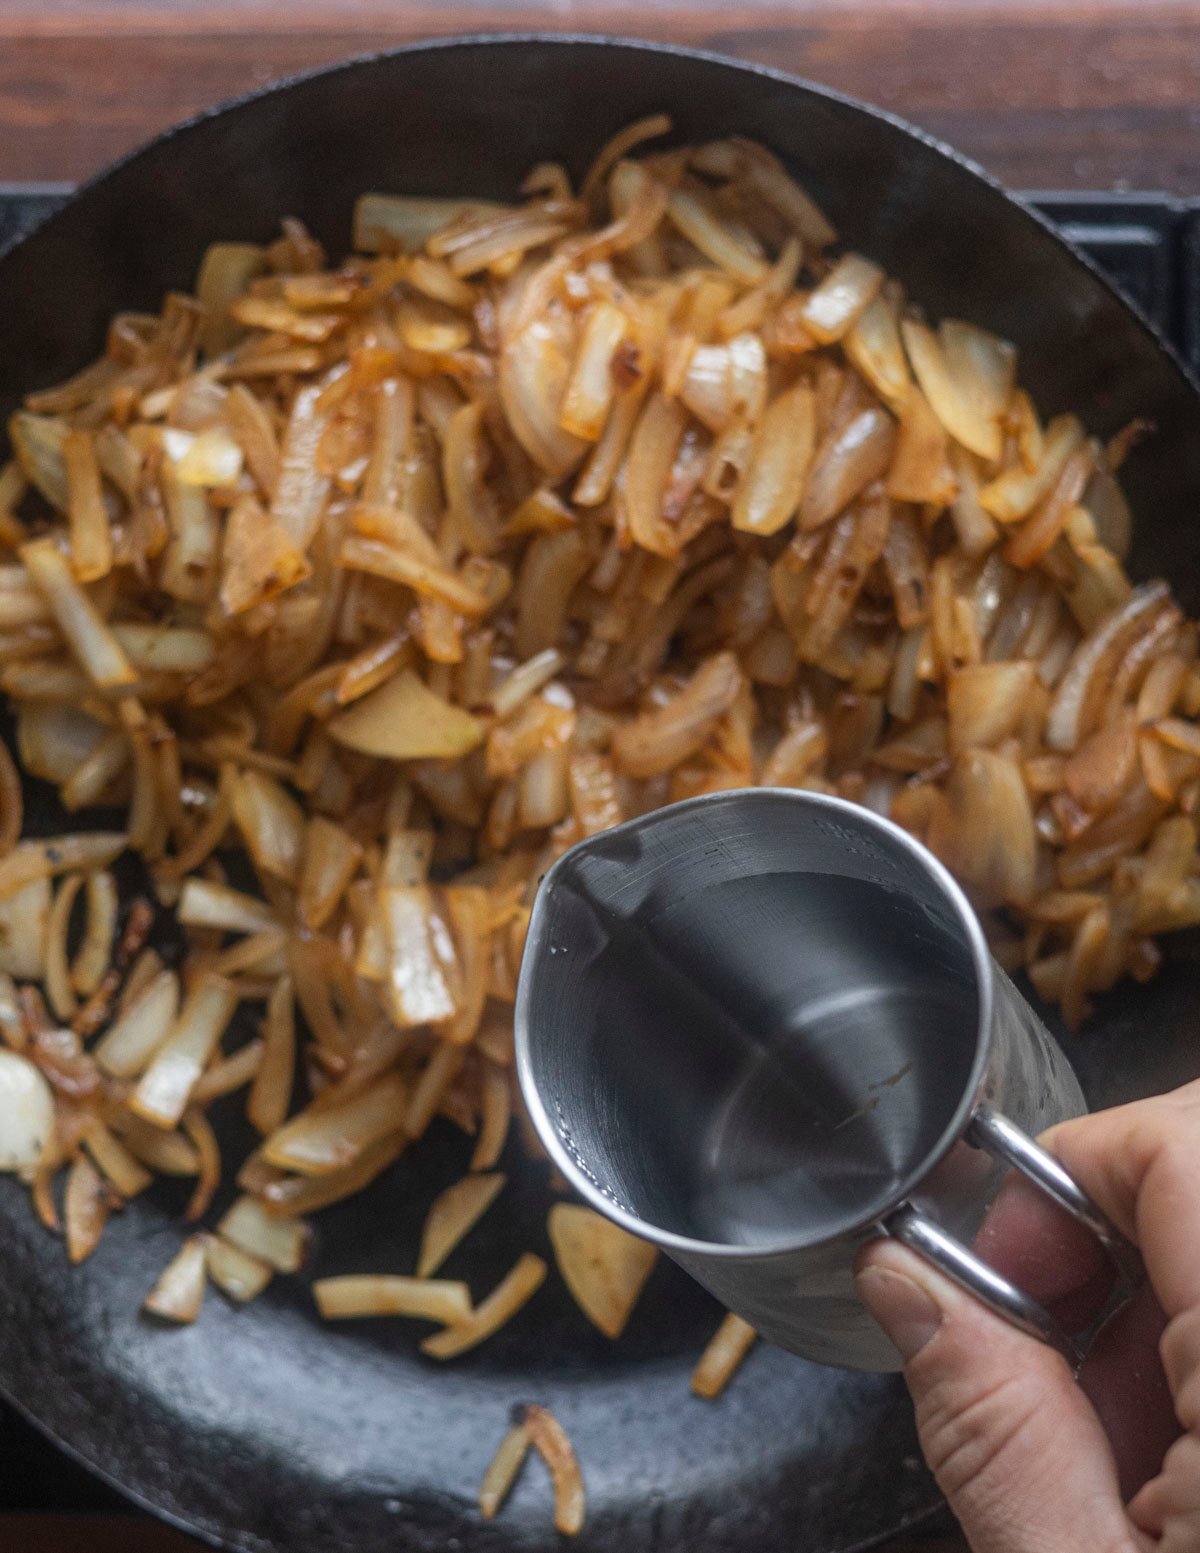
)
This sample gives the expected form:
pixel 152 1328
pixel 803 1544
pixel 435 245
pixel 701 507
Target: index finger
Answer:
pixel 1140 1163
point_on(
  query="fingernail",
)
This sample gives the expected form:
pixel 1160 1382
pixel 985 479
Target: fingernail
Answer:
pixel 908 1315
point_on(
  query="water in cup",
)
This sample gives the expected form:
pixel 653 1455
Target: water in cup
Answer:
pixel 796 1113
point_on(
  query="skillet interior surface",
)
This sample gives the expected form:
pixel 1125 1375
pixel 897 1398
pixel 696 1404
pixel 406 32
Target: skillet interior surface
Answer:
pixel 260 1428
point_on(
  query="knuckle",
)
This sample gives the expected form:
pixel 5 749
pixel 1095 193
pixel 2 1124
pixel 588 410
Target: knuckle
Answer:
pixel 967 1434
pixel 1168 1508
pixel 1179 1348
pixel 1181 1474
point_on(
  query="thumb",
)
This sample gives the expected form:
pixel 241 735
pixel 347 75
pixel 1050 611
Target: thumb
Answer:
pixel 1014 1444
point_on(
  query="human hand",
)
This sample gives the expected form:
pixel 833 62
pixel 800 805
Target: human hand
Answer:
pixel 1030 1461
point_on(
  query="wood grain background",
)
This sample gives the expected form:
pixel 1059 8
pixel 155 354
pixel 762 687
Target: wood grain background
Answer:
pixel 128 1534
pixel 1094 94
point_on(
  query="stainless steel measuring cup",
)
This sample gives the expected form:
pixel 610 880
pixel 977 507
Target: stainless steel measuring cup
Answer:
pixel 762 1027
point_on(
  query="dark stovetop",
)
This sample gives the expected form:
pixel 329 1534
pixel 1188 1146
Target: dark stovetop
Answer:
pixel 1149 243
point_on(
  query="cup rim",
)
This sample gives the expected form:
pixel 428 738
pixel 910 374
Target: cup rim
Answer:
pixel 982 967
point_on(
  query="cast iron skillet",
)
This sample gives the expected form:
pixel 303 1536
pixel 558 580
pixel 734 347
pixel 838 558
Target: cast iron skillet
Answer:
pixel 259 1429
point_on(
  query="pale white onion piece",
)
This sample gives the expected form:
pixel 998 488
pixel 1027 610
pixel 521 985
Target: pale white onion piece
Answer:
pixel 953 394
pixel 165 649
pixel 405 720
pixel 331 859
pixel 659 739
pixel 1110 512
pixel 38 442
pixel 1093 656
pixel 76 852
pixel 874 346
pixel 204 903
pixel 846 463
pixel 12 1025
pixel 407 857
pixel 115 1161
pixel 781 456
pixel 526 680
pixel 424 1299
pixel 95 952
pixel 1015 493
pixel 54 741
pixel 235 1272
pixel 213 458
pixel 534 370
pixel 24 917
pixel 140 1029
pixel 80 622
pixel 93 777
pixel 326 1138
pixel 590 388
pixel 279 1241
pixel 549 1439
pixel 514 1290
pixel 190 559
pixel 603 1265
pixel 225 272
pixel 271 822
pixel 982 365
pixel 727 383
pixel 983 827
pixel 700 225
pixel 165 1086
pixel 57 971
pixel 726 1349
pixel 841 297
pixel 26 1113
pixel 502 1470
pixel 302 489
pixel 384 222
pixel 179 1293
pixel 420 956
pixel 451 1217
pixel 986 701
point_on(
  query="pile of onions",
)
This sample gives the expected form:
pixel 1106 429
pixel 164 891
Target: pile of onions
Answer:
pixel 365 590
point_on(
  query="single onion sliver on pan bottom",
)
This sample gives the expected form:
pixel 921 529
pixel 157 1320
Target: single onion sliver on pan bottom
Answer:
pixel 365 589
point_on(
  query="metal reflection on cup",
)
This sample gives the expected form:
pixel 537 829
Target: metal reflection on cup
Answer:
pixel 762 1027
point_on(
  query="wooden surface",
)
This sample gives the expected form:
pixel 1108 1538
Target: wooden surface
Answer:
pixel 94 1534
pixel 120 1534
pixel 1045 93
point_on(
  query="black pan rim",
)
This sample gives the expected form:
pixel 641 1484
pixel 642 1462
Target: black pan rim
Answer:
pixel 621 43
pixel 133 1498
pixel 208 1532
pixel 220 1540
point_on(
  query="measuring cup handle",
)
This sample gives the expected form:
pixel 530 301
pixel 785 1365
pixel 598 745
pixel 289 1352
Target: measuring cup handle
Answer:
pixel 1002 1139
